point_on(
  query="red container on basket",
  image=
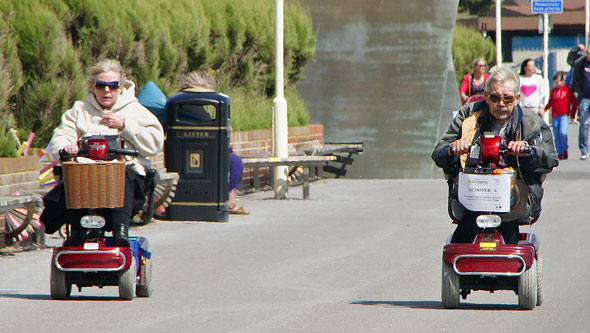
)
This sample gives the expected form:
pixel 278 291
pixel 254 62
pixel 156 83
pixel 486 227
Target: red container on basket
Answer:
pixel 97 149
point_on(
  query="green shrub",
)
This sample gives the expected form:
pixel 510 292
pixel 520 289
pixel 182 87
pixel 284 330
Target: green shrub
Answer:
pixel 8 147
pixel 155 40
pixel 11 73
pixel 54 76
pixel 468 45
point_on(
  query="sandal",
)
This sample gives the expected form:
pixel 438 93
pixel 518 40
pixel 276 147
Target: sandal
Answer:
pixel 238 210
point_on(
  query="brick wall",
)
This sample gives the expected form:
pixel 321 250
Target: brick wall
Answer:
pixel 259 143
pixel 158 162
pixel 20 173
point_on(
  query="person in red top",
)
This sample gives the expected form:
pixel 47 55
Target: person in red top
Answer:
pixel 562 103
pixel 473 85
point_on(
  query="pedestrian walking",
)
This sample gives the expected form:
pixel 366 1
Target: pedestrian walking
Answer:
pixel 562 104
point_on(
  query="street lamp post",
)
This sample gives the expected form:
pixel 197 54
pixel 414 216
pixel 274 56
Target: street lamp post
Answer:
pixel 546 59
pixel 279 119
pixel 499 33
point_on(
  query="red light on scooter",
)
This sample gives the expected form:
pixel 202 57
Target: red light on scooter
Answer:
pixel 97 149
pixel 490 149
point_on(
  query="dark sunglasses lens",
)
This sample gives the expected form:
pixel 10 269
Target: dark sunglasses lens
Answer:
pixel 102 84
pixel 507 99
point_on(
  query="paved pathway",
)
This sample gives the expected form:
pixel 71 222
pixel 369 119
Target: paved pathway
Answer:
pixel 359 256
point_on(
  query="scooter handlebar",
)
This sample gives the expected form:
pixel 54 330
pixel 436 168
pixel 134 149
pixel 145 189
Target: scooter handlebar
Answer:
pixel 118 151
pixel 526 150
pixel 121 151
pixel 65 155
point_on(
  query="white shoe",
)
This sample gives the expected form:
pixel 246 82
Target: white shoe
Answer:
pixel 583 156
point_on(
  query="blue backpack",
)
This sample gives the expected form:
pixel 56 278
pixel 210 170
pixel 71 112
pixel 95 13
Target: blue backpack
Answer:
pixel 154 100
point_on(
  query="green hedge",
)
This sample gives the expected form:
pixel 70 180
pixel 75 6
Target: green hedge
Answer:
pixel 468 45
pixel 46 47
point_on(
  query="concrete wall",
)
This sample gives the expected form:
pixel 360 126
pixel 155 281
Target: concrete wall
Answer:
pixel 379 76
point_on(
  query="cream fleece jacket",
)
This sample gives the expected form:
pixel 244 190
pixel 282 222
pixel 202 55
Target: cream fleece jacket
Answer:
pixel 142 131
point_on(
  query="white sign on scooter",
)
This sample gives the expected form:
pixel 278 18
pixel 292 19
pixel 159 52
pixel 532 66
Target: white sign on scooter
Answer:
pixel 485 193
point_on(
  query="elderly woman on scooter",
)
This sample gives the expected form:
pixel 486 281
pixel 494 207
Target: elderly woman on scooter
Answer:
pixel 111 108
pixel 518 128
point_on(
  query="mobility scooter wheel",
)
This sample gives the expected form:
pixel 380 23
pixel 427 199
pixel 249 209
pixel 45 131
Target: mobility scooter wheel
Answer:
pixel 127 280
pixel 527 288
pixel 539 279
pixel 145 289
pixel 60 289
pixel 64 231
pixel 451 287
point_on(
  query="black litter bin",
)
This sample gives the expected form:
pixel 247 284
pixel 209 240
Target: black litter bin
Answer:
pixel 197 147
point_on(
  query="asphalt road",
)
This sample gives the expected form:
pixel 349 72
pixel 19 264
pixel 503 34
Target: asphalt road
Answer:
pixel 359 256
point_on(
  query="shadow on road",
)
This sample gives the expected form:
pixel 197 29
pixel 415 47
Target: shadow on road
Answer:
pixel 40 297
pixel 437 305
pixel 26 296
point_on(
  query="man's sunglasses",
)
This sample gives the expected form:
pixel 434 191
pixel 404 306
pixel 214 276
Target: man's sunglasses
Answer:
pixel 103 84
pixel 507 99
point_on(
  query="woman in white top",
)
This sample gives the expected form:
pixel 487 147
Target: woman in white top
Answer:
pixel 532 88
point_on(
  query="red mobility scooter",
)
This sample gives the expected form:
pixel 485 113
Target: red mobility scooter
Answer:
pixel 97 262
pixel 488 263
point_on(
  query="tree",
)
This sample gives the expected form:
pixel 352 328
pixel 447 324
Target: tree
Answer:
pixel 468 45
pixel 476 7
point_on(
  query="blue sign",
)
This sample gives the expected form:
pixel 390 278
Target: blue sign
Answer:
pixel 547 6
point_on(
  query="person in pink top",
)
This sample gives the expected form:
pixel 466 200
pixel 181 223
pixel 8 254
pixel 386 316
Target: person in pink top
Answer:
pixel 562 103
pixel 532 88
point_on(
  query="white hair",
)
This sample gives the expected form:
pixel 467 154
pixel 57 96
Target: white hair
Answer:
pixel 501 75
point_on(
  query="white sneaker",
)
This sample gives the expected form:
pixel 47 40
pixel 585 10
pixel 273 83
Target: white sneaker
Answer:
pixel 583 156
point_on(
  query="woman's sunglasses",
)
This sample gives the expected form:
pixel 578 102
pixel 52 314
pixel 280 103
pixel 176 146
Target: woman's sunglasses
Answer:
pixel 103 84
pixel 507 99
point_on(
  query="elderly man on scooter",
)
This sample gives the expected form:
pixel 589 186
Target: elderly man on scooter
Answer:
pixel 110 109
pixel 518 129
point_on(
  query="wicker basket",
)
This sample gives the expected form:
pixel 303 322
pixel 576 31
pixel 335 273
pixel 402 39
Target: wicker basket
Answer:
pixel 94 185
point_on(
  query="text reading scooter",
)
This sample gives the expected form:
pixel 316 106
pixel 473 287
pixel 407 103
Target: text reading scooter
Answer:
pixel 97 262
pixel 488 263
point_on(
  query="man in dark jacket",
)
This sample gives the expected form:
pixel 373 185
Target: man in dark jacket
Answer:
pixel 575 53
pixel 581 86
pixel 499 113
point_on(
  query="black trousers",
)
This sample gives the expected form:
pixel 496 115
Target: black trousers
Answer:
pixel 468 229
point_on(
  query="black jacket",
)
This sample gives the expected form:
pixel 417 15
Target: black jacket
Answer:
pixel 578 79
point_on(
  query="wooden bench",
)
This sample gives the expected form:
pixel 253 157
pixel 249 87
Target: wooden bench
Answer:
pixel 31 202
pixel 343 152
pixel 306 162
pixel 164 188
